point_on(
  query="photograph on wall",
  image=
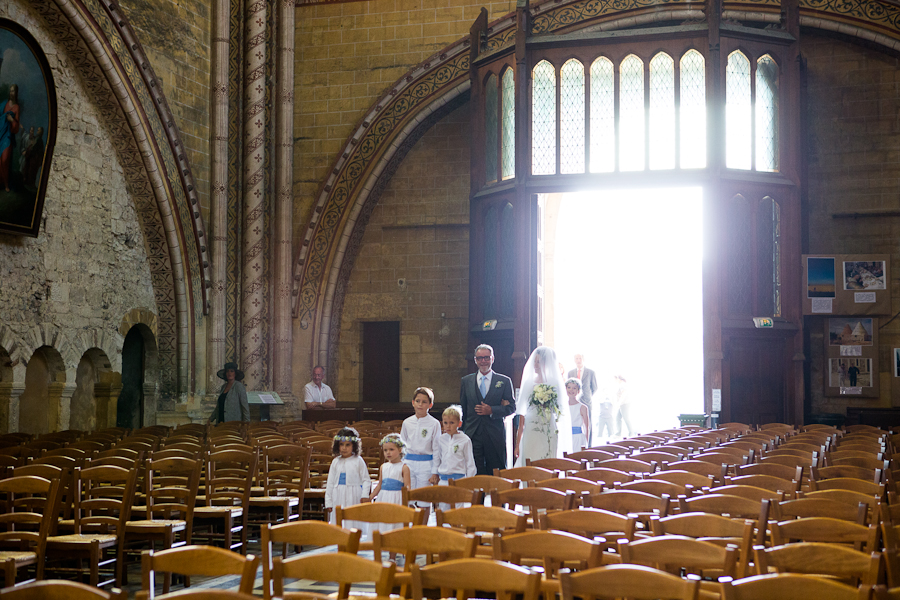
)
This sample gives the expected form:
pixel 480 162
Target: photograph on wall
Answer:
pixel 820 277
pixel 850 331
pixel 849 372
pixel 27 129
pixel 864 275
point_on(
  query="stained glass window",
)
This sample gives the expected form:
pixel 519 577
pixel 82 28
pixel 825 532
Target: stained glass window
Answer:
pixel 662 112
pixel 603 117
pixel 738 140
pixel 543 119
pixel 631 114
pixel 508 104
pixel 766 114
pixel 571 115
pixel 490 128
pixel 692 111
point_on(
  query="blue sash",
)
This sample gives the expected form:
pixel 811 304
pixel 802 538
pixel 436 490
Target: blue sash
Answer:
pixel 449 476
pixel 342 480
pixel 389 484
pixel 419 457
pixel 576 430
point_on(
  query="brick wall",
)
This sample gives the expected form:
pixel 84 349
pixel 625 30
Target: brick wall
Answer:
pixel 347 55
pixel 854 165
pixel 176 38
pixel 419 233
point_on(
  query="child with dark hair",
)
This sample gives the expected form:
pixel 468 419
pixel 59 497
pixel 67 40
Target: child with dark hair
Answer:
pixel 348 477
pixel 422 433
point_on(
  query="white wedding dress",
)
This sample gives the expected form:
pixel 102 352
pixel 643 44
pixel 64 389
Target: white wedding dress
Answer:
pixel 543 437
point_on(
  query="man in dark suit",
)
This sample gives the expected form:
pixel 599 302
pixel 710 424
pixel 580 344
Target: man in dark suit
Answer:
pixel 589 387
pixel 481 396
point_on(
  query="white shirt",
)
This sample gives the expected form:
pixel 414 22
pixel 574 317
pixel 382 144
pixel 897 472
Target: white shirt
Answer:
pixel 489 377
pixel 456 455
pixel 422 436
pixel 314 393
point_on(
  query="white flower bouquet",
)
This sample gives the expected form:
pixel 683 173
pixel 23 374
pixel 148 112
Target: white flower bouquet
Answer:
pixel 544 398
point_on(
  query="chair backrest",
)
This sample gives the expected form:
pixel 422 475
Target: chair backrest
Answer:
pixel 629 465
pixel 557 464
pixel 627 502
pixel 103 496
pixel 571 484
pixel 342 568
pixel 380 512
pixel 534 498
pixel 286 470
pixel 768 482
pixel 591 522
pixel 554 548
pixel 482 519
pixel 790 586
pixel 820 559
pixel 444 494
pixel 713 528
pixel 656 487
pixel 772 468
pixel 608 477
pixel 468 574
pixel 683 478
pixel 29 511
pixel 825 529
pixel 208 561
pixel 632 581
pixel 421 539
pixel 171 486
pixel 528 473
pixel 748 491
pixel 848 483
pixel 674 553
pixel 820 507
pixel 488 483
pixel 60 590
pixel 229 477
pixel 847 471
pixel 591 455
pixel 697 466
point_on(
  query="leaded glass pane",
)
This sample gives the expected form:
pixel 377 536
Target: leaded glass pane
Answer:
pixel 508 107
pixel 692 111
pixel 776 259
pixel 490 128
pixel 738 146
pixel 508 262
pixel 543 119
pixel 662 112
pixel 571 116
pixel 766 114
pixel 603 117
pixel 631 114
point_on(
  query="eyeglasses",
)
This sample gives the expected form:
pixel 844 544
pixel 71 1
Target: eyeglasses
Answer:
pixel 488 357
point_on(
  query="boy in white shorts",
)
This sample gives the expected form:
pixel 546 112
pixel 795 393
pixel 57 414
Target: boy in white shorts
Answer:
pixel 421 433
pixel 457 459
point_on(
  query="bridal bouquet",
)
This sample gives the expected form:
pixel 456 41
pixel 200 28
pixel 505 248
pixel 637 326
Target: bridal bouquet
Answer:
pixel 544 399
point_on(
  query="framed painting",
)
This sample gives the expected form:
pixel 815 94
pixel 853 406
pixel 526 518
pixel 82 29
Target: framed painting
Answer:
pixel 27 129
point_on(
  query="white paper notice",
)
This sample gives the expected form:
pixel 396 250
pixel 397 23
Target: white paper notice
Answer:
pixel 864 297
pixel 851 390
pixel 717 400
pixel 267 399
pixel 821 305
pixel 851 350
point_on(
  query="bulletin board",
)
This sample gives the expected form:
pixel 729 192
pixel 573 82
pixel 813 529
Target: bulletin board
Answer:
pixel 846 284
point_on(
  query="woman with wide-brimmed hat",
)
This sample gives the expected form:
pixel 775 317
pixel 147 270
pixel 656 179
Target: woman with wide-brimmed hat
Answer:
pixel 232 404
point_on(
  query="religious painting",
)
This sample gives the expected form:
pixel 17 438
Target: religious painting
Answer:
pixel 864 275
pixel 27 129
pixel 850 372
pixel 820 277
pixel 850 331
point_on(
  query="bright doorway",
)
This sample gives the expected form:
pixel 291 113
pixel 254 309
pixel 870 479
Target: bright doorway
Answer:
pixel 623 286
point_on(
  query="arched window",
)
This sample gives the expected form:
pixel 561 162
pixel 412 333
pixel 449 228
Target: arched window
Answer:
pixel 738 139
pixel 692 111
pixel 662 112
pixel 491 107
pixel 631 114
pixel 603 117
pixel 508 104
pixel 766 114
pixel 543 119
pixel 571 115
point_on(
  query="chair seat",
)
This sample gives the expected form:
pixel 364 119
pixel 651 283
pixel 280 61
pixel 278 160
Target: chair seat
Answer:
pixel 106 539
pixel 215 511
pixel 144 525
pixel 21 558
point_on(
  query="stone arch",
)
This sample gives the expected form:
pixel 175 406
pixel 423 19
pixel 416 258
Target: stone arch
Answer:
pixel 94 382
pixel 327 251
pixel 40 407
pixel 136 403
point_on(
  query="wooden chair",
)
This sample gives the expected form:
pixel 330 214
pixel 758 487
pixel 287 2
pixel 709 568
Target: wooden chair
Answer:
pixel 820 559
pixel 208 561
pixel 342 568
pixel 443 495
pixel 685 478
pixel 847 471
pixel 29 513
pixel 632 581
pixel 535 499
pixel 678 555
pixel 748 491
pixel 827 530
pixel 790 586
pixel 608 477
pixel 103 499
pixel 660 457
pixel 552 550
pixel 697 466
pixel 60 590
pixel 590 455
pixel 627 502
pixel 285 475
pixel 712 528
pixel 555 464
pixel 435 543
pixel 820 507
pixel 592 522
pixel 488 483
pixel 628 465
pixel 767 482
pixel 848 483
pixel 735 507
pixel 379 512
pixel 773 469
pixel 467 576
pixel 572 484
pixel 489 522
pixel 229 478
pixel 656 487
pixel 527 473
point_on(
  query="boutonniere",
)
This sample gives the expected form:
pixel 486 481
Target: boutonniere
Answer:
pixel 424 433
pixel 499 384
pixel 456 448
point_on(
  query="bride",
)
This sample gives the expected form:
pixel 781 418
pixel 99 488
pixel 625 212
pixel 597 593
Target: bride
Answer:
pixel 545 428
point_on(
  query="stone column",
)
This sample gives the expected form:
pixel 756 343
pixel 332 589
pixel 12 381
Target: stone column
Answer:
pixel 284 146
pixel 10 392
pixel 106 396
pixel 150 403
pixel 253 308
pixel 218 210
pixel 59 401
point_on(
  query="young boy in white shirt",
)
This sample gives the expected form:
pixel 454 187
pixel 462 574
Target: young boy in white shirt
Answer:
pixel 457 459
pixel 421 433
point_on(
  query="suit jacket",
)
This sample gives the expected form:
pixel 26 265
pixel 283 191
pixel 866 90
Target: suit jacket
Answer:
pixel 488 427
pixel 589 383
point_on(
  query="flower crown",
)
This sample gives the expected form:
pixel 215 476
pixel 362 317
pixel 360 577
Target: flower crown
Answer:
pixel 393 438
pixel 346 438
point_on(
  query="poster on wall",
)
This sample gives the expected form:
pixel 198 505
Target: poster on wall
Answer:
pixel 820 277
pixel 844 331
pixel 846 284
pixel 864 275
pixel 851 356
pixel 27 129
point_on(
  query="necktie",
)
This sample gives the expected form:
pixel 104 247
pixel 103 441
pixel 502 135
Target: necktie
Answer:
pixel 483 386
pixel 579 373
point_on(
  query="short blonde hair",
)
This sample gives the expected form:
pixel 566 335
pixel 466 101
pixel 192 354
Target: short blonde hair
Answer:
pixel 454 410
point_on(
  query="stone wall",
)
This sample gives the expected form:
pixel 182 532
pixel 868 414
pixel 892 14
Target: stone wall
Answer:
pixel 418 233
pixel 854 165
pixel 70 287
